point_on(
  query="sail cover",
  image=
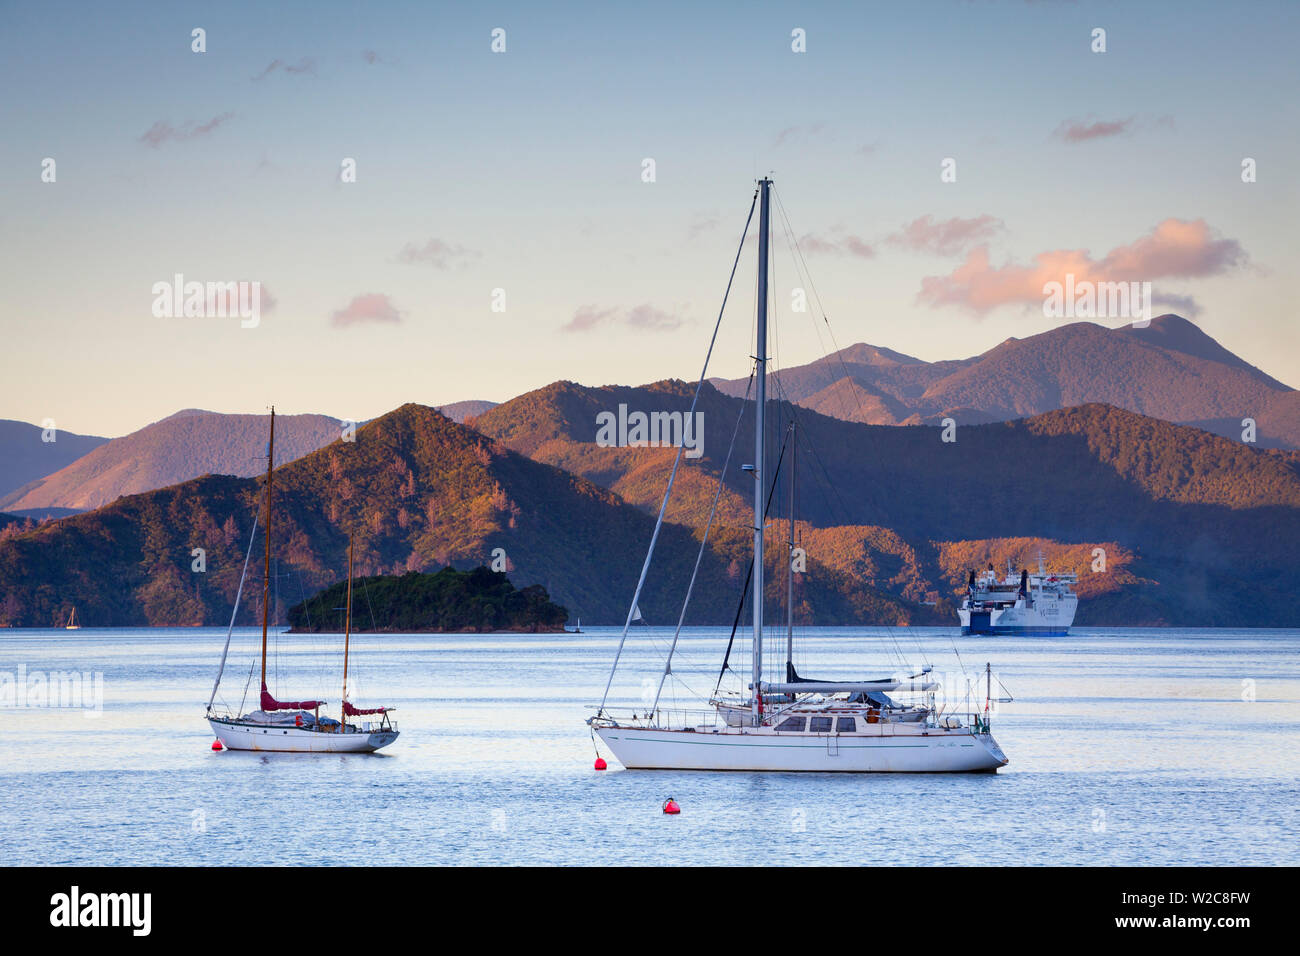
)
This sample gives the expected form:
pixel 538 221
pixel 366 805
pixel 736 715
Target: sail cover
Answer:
pixel 270 703
pixel 359 712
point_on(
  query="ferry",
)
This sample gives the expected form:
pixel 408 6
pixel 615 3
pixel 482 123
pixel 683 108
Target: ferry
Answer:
pixel 1030 604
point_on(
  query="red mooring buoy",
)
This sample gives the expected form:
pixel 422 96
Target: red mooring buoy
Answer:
pixel 600 763
pixel 216 745
pixel 670 806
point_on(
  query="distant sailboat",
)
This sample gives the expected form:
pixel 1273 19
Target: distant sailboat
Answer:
pixel 296 726
pixel 72 624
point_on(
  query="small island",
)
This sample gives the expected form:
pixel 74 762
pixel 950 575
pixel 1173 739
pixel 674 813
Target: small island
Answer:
pixel 448 601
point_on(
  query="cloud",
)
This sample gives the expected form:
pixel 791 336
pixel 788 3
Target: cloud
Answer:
pixel 809 129
pixel 305 65
pixel 1175 248
pixel 371 307
pixel 647 317
pixel 164 132
pixel 1079 131
pixel 702 223
pixel 1083 130
pixel 1184 305
pixel 847 245
pixel 436 253
pixel 869 149
pixel 945 238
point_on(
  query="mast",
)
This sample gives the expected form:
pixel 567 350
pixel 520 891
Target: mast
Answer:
pixel 789 574
pixel 760 403
pixel 266 561
pixel 347 636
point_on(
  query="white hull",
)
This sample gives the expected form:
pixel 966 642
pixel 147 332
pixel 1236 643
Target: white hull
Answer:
pixel 240 736
pixel 1047 617
pixel 901 749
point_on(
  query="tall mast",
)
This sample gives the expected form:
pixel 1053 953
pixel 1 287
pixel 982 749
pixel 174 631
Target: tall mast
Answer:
pixel 266 561
pixel 789 573
pixel 760 403
pixel 347 636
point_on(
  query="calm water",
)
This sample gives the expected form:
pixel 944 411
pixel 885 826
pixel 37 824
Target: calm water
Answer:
pixel 1126 746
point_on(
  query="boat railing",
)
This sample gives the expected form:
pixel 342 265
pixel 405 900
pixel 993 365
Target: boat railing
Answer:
pixel 666 717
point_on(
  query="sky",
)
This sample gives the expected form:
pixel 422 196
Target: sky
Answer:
pixel 484 177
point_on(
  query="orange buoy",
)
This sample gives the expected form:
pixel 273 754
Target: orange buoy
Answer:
pixel 670 806
pixel 600 763
pixel 216 745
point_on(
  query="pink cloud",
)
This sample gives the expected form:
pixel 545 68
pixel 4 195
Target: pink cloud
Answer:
pixel 1079 131
pixel 945 238
pixel 1175 248
pixel 163 131
pixel 363 309
pixel 589 317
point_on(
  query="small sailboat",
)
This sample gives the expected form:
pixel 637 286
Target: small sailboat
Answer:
pixel 72 624
pixel 794 723
pixel 296 726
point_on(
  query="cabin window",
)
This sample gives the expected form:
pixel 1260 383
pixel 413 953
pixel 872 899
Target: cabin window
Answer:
pixel 845 725
pixel 791 723
pixel 819 725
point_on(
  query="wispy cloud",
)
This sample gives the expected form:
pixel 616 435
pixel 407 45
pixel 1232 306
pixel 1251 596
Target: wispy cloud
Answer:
pixel 1175 248
pixel 436 253
pixel 164 132
pixel 1184 305
pixel 702 223
pixel 837 245
pixel 305 65
pixel 945 238
pixel 801 130
pixel 646 317
pixel 1084 130
pixel 366 309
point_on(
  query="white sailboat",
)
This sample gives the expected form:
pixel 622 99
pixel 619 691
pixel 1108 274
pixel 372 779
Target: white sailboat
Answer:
pixel 795 724
pixel 72 624
pixel 296 726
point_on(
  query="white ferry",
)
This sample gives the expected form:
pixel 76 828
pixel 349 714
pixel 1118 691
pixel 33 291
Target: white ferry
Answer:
pixel 1038 604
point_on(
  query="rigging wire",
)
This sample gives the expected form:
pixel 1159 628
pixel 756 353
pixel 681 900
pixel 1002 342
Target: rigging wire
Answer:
pixel 704 541
pixel 663 507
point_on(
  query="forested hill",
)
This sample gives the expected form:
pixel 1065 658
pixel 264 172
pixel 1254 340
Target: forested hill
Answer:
pixel 447 601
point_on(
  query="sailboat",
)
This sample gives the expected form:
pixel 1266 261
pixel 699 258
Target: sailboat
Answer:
pixel 794 724
pixel 72 624
pixel 296 726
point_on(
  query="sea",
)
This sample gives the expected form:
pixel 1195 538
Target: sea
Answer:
pixel 1127 747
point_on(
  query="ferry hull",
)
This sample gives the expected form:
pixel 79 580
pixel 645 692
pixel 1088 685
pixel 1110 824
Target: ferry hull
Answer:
pixel 237 736
pixel 1019 631
pixel 938 752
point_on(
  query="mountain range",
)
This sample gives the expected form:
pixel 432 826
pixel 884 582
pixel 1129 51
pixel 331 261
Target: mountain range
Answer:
pixel 418 492
pixel 184 445
pixel 1169 369
pixel 1165 523
pixel 25 456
